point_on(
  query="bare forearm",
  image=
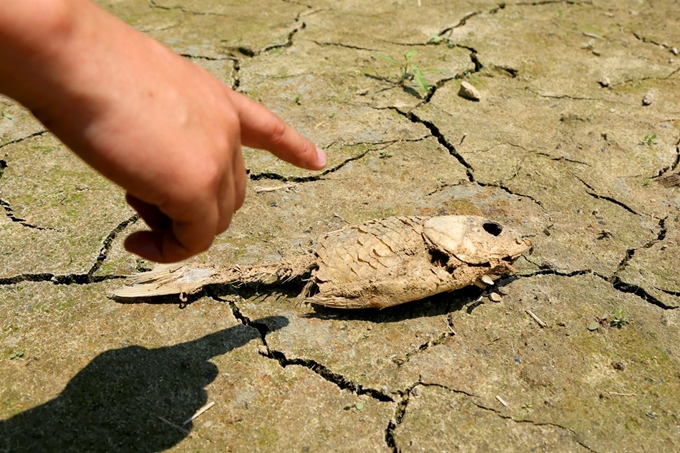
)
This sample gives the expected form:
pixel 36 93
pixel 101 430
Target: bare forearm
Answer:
pixel 162 128
pixel 34 34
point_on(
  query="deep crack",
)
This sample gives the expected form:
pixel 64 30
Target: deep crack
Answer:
pixel 397 418
pixel 556 272
pixel 319 369
pixel 74 278
pixel 58 279
pixel 639 291
pixel 9 212
pixel 593 194
pixel 251 53
pixel 436 133
pixel 289 38
pixel 108 243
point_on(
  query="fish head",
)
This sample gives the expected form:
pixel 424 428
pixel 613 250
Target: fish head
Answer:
pixel 474 239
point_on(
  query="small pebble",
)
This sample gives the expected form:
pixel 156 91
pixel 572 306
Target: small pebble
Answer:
pixel 604 82
pixel 648 99
pixel 262 349
pixel 674 51
pixel 488 280
pixel 495 297
pixel 468 91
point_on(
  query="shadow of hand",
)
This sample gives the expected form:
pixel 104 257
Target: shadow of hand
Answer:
pixel 114 402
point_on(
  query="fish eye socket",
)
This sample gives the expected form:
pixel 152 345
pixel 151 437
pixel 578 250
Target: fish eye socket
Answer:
pixel 493 228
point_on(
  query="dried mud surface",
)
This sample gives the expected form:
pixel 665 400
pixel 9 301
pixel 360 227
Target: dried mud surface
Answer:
pixel 560 146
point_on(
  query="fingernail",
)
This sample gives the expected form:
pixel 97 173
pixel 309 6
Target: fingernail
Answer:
pixel 321 156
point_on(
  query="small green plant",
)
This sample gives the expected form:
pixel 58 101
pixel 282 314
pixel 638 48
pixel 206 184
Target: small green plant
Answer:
pixel 436 38
pixel 646 182
pixel 298 99
pixel 648 140
pixel 619 319
pixel 408 69
pixel 355 406
pixel 527 405
pixel 7 115
pixel 385 154
pixel 16 355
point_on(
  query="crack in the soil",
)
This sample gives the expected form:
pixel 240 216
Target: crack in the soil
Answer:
pixel 556 272
pixel 9 212
pixel 550 2
pixel 647 40
pixel 499 414
pixel 441 338
pixel 461 22
pixel 613 280
pixel 108 243
pixel 235 65
pixel 669 292
pixel 346 46
pixel 58 279
pixel 28 137
pixel 399 412
pixel 562 159
pixel 154 5
pixel 639 291
pixel 673 166
pixel 594 194
pixel 574 98
pixel 661 235
pixel 319 369
pixel 74 278
pixel 642 79
pixel 317 177
pixel 512 192
pixel 236 76
pixel 297 3
pixel 299 24
pixel 437 134
pixel 612 200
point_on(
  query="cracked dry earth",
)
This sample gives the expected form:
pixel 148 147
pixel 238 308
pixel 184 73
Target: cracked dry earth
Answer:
pixel 560 147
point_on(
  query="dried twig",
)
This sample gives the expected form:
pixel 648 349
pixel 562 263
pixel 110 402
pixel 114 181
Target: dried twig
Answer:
pixel 274 188
pixel 199 412
pixel 591 35
pixel 502 401
pixel 536 318
pixel 168 422
pixel 621 394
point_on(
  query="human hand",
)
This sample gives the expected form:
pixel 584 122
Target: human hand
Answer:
pixel 162 128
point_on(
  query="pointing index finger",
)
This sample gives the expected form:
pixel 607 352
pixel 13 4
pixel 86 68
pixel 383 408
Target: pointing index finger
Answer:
pixel 262 129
